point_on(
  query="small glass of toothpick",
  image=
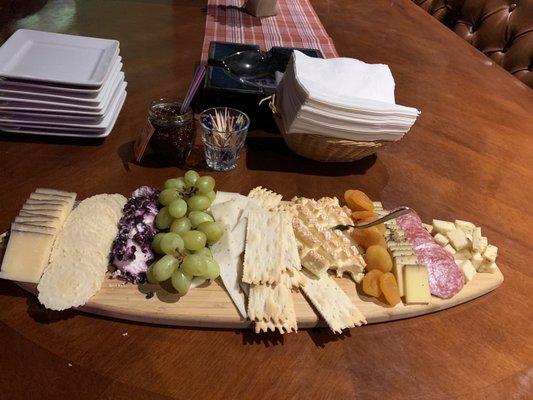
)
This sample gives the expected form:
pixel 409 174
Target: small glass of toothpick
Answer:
pixel 224 132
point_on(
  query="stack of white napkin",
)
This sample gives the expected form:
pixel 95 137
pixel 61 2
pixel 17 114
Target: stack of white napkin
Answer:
pixel 342 98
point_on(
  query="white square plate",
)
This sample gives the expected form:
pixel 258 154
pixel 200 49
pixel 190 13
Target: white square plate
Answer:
pixel 40 93
pixel 57 58
pixel 73 132
pixel 54 108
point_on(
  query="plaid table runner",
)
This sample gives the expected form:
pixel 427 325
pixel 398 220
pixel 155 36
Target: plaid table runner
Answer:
pixel 296 25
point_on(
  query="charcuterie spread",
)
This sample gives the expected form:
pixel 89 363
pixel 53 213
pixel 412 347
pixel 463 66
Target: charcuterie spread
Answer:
pixel 261 248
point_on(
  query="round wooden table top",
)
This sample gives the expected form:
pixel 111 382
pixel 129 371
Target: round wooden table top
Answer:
pixel 469 156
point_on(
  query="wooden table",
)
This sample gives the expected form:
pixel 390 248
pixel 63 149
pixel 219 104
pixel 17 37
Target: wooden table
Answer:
pixel 469 156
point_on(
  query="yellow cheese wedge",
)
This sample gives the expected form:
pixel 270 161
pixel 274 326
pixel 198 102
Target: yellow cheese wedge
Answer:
pixel 26 256
pixel 416 284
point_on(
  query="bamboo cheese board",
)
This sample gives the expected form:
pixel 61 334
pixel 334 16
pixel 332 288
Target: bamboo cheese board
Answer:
pixel 210 306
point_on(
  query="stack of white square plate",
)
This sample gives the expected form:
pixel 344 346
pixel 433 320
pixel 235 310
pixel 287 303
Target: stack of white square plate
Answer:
pixel 60 85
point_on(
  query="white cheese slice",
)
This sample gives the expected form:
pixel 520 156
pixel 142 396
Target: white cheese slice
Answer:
pixel 42 213
pixel 443 226
pixel 458 239
pixel 42 206
pixel 25 227
pixel 229 271
pixel 26 256
pixel 46 197
pixel 416 284
pixel 229 212
pixel 51 223
pixel 55 192
pixel 223 197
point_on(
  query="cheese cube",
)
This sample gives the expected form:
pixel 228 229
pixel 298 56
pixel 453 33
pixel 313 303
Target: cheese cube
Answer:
pixel 464 254
pixel 397 270
pixel 490 253
pixel 428 227
pixel 476 260
pixel 488 267
pixel 468 270
pixel 441 239
pixel 416 284
pixel 443 226
pixel 482 244
pixel 458 239
pixel 449 249
pixel 476 239
pixel 465 226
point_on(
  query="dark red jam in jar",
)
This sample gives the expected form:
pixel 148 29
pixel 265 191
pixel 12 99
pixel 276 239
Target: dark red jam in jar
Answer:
pixel 174 132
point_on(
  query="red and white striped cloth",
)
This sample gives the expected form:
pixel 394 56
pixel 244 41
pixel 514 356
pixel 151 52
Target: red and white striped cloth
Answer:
pixel 296 25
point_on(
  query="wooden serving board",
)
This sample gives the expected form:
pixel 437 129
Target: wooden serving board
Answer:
pixel 210 306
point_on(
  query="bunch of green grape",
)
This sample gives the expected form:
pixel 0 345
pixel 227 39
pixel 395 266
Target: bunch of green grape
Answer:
pixel 186 232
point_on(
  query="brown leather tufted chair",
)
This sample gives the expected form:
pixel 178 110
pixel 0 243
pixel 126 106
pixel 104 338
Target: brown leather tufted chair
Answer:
pixel 502 29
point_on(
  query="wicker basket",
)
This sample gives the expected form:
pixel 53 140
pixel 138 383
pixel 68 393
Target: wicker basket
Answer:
pixel 323 148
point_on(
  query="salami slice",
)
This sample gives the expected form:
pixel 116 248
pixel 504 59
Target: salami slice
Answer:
pixel 445 278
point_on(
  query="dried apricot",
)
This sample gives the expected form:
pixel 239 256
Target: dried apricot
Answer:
pixel 371 283
pixel 359 215
pixel 377 257
pixel 358 201
pixel 389 287
pixel 368 237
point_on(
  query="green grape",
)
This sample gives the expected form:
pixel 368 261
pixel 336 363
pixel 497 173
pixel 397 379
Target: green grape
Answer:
pixel 198 202
pixel 172 244
pixel 180 225
pixel 181 281
pixel 205 184
pixel 156 243
pixel 205 252
pixel 176 183
pixel 164 267
pixel 213 269
pixel 163 219
pixel 197 217
pixel 213 231
pixel 150 276
pixel 211 195
pixel 195 265
pixel 194 240
pixel 190 178
pixel 178 208
pixel 167 196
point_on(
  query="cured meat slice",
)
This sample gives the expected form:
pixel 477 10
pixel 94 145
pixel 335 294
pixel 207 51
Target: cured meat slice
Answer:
pixel 445 277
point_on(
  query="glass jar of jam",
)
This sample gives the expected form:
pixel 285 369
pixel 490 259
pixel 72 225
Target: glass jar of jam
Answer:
pixel 174 131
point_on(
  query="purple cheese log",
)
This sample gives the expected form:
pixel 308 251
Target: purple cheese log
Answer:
pixel 445 278
pixel 132 250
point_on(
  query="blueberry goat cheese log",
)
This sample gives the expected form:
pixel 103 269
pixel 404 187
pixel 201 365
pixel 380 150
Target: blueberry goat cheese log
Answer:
pixel 132 251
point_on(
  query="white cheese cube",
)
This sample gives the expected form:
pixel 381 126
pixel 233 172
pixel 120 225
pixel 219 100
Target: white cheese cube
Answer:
pixel 476 260
pixel 443 226
pixel 490 253
pixel 464 254
pixel 458 239
pixel 441 239
pixel 468 270
pixel 488 267
pixel 416 284
pixel 428 227
pixel 449 249
pixel 482 244
pixel 476 239
pixel 465 226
